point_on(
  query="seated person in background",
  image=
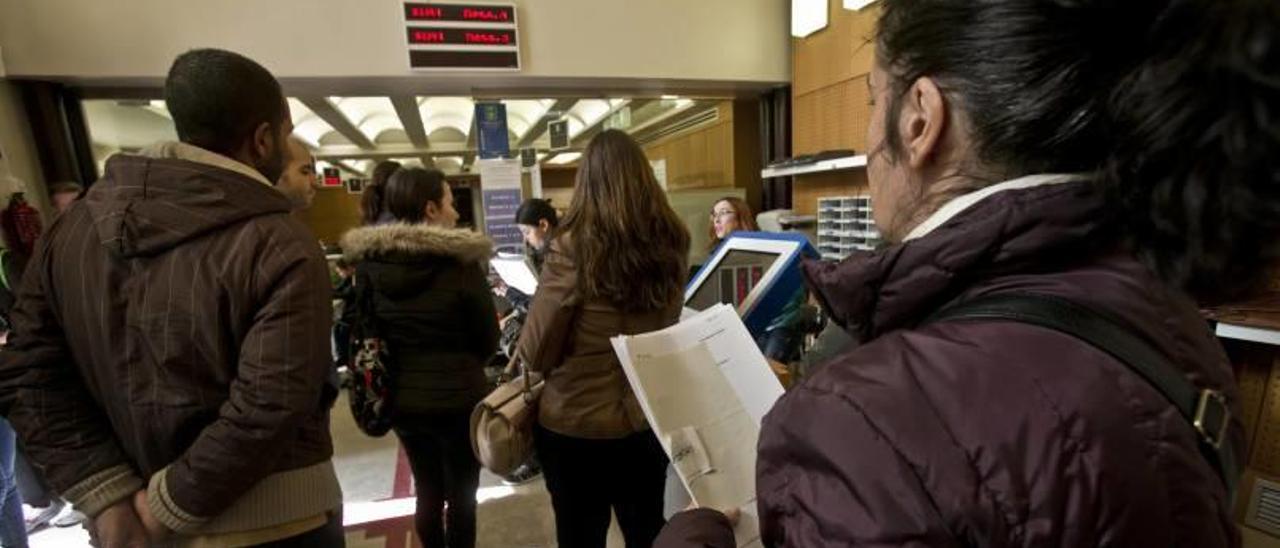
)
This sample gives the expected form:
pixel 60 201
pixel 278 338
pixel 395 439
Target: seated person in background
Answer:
pixel 1138 185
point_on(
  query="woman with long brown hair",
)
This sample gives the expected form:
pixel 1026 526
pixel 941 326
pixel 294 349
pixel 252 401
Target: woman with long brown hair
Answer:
pixel 615 266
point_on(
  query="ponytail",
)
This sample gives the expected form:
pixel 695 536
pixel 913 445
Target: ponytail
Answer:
pixel 1195 165
pixel 372 202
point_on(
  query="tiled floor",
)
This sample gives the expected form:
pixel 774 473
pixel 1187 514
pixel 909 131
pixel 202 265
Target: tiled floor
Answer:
pixel 378 514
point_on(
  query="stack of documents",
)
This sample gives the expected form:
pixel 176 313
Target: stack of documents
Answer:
pixel 705 386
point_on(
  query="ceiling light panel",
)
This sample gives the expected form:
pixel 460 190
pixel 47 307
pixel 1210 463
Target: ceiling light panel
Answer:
pixel 371 115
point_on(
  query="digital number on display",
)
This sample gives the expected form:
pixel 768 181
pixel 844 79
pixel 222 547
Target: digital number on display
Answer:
pixel 459 13
pixel 470 37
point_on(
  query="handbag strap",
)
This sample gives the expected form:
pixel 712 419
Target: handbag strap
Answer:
pixel 1204 409
pixel 367 321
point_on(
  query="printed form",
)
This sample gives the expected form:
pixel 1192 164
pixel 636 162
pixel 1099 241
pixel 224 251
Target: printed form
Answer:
pixel 705 387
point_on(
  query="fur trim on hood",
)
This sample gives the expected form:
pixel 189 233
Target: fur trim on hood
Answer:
pixel 399 240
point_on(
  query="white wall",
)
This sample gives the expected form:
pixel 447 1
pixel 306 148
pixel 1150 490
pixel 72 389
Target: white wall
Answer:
pixel 19 149
pixel 723 40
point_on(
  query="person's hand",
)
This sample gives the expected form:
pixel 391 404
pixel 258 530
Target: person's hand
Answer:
pixel 156 531
pixel 117 527
pixel 500 288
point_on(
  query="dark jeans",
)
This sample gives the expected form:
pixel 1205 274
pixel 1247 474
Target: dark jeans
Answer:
pixel 13 530
pixel 588 477
pixel 444 471
pixel 328 535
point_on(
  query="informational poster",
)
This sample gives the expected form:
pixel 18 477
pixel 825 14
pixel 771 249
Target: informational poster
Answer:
pixel 491 123
pixel 501 196
pixel 559 130
pixel 660 171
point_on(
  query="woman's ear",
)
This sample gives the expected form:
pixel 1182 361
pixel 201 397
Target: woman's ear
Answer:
pixel 923 121
pixel 431 212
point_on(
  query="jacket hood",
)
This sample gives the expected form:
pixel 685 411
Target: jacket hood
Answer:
pixel 1012 231
pixel 399 242
pixel 147 204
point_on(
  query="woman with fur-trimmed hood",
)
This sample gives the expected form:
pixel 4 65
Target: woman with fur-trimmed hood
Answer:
pixel 431 302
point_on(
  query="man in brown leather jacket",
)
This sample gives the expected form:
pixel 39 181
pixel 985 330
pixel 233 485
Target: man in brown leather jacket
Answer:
pixel 170 344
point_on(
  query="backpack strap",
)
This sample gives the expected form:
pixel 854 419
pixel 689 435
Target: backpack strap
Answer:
pixel 1204 409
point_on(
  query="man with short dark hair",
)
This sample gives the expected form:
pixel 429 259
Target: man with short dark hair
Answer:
pixel 170 344
pixel 298 183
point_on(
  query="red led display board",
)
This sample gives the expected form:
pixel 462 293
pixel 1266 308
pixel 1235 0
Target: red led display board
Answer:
pixel 459 13
pixel 443 36
pixel 462 36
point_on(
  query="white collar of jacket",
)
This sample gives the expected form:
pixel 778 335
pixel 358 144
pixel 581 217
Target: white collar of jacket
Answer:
pixel 961 203
pixel 191 153
pixel 400 239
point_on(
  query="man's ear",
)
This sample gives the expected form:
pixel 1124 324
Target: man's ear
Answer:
pixel 264 141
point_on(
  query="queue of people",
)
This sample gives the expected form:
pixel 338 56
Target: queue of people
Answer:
pixel 170 342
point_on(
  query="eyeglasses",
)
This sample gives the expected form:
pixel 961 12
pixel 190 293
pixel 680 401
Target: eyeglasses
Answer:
pixel 723 213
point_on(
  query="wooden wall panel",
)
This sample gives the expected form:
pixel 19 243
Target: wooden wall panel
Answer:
pixel 1266 440
pixel 333 212
pixel 558 177
pixel 834 117
pixel 806 189
pixel 840 52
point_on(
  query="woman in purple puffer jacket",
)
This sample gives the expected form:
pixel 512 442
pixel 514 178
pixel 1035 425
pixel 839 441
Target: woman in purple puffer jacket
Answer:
pixel 1122 155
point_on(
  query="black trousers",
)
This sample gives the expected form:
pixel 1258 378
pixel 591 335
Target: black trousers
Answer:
pixel 588 477
pixel 445 471
pixel 328 535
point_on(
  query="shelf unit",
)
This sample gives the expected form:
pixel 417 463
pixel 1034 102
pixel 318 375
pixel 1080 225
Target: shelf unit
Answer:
pixel 845 225
pixel 833 164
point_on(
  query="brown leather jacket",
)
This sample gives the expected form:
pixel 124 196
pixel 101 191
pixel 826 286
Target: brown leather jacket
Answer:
pixel 586 393
pixel 173 326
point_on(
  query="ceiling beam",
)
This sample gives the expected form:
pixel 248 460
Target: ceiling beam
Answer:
pixel 596 127
pixel 351 152
pixel 539 128
pixel 327 111
pixel 411 119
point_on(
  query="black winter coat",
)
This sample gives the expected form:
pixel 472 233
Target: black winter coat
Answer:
pixel 431 303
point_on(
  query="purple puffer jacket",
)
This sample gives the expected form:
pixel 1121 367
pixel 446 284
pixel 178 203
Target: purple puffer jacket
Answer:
pixel 990 433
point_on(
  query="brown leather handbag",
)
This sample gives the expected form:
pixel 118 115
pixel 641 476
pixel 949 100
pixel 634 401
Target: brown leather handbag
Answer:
pixel 502 424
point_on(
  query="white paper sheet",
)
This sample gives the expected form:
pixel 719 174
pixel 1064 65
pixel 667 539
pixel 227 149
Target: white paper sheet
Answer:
pixel 705 387
pixel 515 272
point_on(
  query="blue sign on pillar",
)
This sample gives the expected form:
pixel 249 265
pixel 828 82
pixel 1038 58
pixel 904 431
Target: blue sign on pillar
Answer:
pixel 491 122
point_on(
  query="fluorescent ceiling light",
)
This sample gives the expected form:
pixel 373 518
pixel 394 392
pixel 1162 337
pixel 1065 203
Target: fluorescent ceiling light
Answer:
pixel 670 97
pixel 808 17
pixel 857 4
pixel 565 158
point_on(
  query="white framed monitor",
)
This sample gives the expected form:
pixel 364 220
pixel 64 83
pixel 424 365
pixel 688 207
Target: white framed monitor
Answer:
pixel 756 272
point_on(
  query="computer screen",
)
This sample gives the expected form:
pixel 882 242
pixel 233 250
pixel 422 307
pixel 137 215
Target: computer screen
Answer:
pixel 733 278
